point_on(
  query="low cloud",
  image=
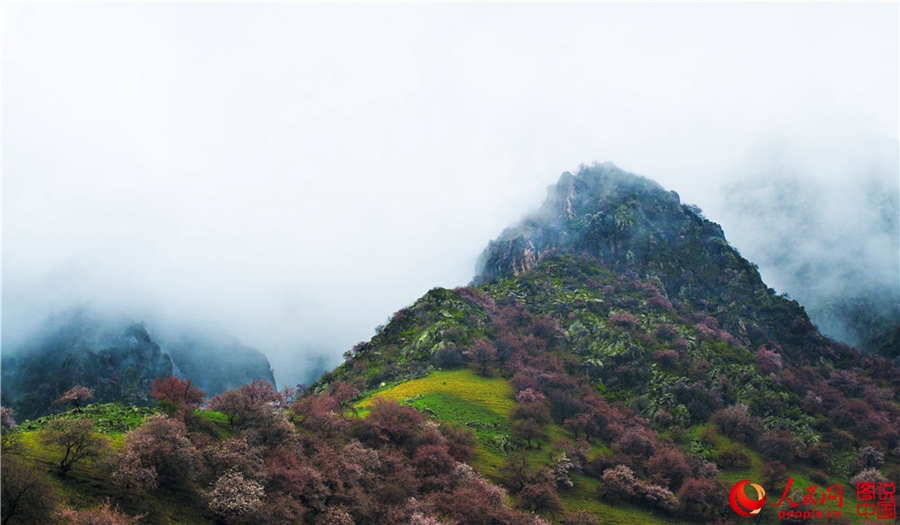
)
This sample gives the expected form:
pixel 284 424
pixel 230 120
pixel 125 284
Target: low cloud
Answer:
pixel 294 173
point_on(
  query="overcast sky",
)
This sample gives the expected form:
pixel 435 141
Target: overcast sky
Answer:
pixel 295 173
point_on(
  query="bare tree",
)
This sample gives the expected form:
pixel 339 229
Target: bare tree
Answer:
pixel 77 440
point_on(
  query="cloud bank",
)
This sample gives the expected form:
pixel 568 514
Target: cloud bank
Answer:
pixel 294 173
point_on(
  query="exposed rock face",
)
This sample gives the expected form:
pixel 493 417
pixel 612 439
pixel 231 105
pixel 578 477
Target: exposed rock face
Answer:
pixel 633 226
pixel 629 223
pixel 217 363
pixel 117 361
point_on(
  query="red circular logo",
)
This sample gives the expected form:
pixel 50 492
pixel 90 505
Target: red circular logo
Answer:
pixel 743 505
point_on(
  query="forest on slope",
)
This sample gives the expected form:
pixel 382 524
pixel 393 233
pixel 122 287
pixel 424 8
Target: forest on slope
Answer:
pixel 616 361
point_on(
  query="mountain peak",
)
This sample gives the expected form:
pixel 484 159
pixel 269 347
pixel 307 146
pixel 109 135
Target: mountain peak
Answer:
pixel 632 225
pixel 601 211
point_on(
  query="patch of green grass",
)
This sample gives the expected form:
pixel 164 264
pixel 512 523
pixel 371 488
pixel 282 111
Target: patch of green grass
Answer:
pixel 110 418
pixel 491 393
pixel 461 397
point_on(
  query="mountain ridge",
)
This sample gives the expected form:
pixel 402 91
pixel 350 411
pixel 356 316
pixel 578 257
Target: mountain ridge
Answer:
pixel 119 358
pixel 617 362
pixel 587 308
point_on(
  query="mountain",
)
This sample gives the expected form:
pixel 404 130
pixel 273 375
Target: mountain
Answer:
pixel 632 226
pixel 624 316
pixel 118 359
pixel 215 362
pixel 615 360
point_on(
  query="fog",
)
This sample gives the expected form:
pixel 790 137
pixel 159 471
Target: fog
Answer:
pixel 292 174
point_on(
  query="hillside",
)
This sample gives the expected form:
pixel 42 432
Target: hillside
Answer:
pixel 616 294
pixel 615 361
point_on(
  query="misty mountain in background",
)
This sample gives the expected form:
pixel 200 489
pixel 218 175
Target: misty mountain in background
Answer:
pixel 216 362
pixel 118 359
pixel 836 250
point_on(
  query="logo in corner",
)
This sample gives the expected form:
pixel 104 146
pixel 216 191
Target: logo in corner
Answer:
pixel 742 504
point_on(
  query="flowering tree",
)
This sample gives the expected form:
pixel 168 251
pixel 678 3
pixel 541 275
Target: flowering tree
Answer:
pixel 6 418
pixel 131 475
pixel 625 320
pixel 669 466
pixel 417 518
pixel 638 442
pixel 261 391
pixel 870 475
pixel 179 392
pixel 528 430
pixel 701 497
pixel 871 457
pixel 620 482
pixel 336 515
pixel 539 493
pixel 255 404
pixel 737 423
pixel 161 445
pixel 7 439
pixel 433 463
pixel 319 413
pixel 233 495
pixel 230 403
pixel 483 354
pixel 76 396
pixel 773 474
pixel 562 467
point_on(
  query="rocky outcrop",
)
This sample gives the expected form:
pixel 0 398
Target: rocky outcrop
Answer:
pixel 631 225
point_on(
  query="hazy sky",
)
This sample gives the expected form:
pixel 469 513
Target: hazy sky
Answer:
pixel 295 173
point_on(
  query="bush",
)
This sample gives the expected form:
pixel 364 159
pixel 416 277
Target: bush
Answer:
pixel 448 358
pixel 778 446
pixel 669 466
pixel 701 498
pixel 624 320
pixel 581 517
pixel 161 444
pixel 818 477
pixel 736 423
pixel 233 495
pixel 539 493
pixel 733 456
pixel 868 475
pixel 619 482
pixel 105 514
